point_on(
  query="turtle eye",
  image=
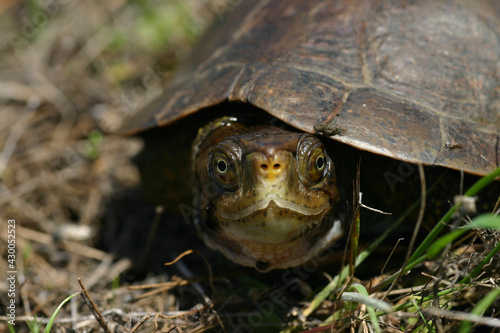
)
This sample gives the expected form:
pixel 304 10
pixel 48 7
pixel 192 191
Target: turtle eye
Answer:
pixel 221 166
pixel 312 160
pixel 316 165
pixel 225 168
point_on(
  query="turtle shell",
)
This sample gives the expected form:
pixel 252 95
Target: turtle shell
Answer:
pixel 415 80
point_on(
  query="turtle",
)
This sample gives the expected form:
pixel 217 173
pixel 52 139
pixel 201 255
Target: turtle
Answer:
pixel 247 124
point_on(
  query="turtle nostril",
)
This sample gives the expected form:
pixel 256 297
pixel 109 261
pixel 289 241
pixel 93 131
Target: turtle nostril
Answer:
pixel 264 166
pixel 276 166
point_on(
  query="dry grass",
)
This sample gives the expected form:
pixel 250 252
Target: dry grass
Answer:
pixel 70 72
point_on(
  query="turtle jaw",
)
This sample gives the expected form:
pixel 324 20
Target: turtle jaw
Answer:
pixel 265 257
pixel 271 221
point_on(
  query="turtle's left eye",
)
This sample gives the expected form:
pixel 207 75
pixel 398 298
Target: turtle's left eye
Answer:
pixel 225 167
pixel 320 162
pixel 221 166
pixel 312 160
pixel 316 165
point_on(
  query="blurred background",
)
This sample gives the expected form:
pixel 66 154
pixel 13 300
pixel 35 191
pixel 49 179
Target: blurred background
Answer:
pixel 70 72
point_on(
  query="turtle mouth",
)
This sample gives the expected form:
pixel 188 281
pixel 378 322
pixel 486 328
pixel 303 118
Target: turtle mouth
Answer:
pixel 264 204
pixel 271 221
pixel 268 256
pixel 273 233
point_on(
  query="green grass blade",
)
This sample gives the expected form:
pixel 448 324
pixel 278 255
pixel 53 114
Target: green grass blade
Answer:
pixel 486 221
pixel 479 268
pixel 480 308
pixel 34 325
pixel 437 246
pixel 425 299
pixel 424 320
pixel 472 191
pixel 358 298
pixel 11 328
pixel 482 221
pixel 370 301
pixel 362 297
pixel 344 273
pixel 419 254
pixel 53 317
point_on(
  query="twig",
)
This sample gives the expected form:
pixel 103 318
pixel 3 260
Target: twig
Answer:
pixel 106 272
pixel 91 208
pixel 207 300
pixel 185 253
pixel 390 255
pixel 16 133
pixel 163 289
pixel 43 238
pixel 459 315
pixel 496 210
pixel 168 285
pixel 18 92
pixel 153 231
pixel 417 227
pixel 371 208
pixel 139 324
pixel 404 291
pixel 354 229
pixel 93 307
pixel 112 312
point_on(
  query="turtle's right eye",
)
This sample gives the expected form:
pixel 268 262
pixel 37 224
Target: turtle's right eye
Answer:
pixel 225 168
pixel 312 160
pixel 221 166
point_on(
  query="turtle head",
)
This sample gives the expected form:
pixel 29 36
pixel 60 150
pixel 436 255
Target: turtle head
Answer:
pixel 269 195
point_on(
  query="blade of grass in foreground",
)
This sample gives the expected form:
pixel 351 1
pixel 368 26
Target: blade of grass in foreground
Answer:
pixel 34 325
pixel 483 221
pixel 483 263
pixel 426 323
pixel 472 191
pixel 336 281
pixel 370 303
pixel 416 258
pixel 53 317
pixel 339 278
pixel 430 247
pixel 480 308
